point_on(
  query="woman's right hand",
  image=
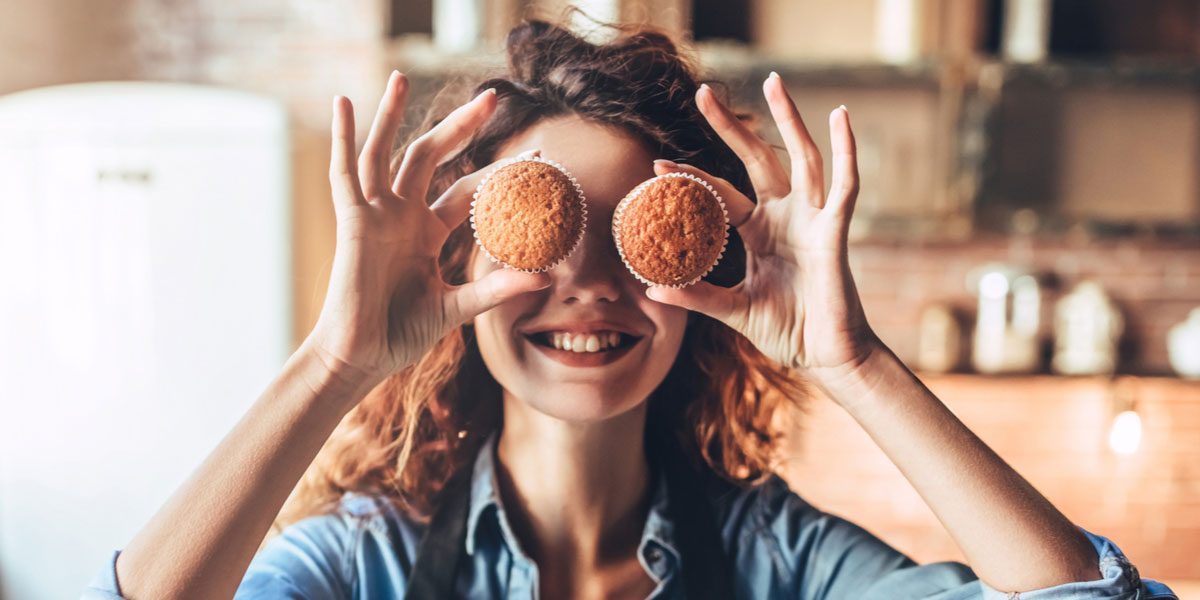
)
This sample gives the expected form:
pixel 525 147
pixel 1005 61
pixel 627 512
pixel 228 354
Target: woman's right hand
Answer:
pixel 387 303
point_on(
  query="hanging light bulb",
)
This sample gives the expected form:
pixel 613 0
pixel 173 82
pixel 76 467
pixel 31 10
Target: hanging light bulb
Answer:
pixel 1125 436
pixel 1125 433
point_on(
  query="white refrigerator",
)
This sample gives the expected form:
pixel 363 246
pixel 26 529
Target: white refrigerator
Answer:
pixel 145 302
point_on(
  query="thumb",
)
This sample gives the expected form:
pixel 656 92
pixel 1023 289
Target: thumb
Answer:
pixel 722 304
pixel 469 299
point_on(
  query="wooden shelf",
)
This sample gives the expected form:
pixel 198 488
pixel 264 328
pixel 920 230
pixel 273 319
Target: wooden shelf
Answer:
pixel 1108 74
pixel 1048 379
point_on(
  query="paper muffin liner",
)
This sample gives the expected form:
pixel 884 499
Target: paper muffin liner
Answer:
pixel 526 157
pixel 637 191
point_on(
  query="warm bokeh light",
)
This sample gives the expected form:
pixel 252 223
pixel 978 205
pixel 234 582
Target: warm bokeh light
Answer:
pixel 1125 437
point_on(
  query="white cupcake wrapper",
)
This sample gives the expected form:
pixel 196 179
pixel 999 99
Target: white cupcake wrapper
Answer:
pixel 528 157
pixel 637 191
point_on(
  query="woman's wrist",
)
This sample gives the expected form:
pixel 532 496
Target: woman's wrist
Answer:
pixel 330 378
pixel 860 380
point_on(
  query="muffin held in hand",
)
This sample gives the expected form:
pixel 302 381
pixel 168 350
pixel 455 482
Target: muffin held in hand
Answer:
pixel 671 230
pixel 528 214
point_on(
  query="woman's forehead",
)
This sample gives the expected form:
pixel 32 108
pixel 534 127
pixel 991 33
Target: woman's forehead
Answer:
pixel 606 161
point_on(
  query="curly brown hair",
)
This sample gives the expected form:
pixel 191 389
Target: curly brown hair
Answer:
pixel 416 429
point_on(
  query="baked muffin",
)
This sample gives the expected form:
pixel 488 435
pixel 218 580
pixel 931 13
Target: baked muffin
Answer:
pixel 671 230
pixel 528 214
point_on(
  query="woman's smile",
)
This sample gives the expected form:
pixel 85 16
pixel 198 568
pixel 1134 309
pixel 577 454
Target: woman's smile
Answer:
pixel 584 344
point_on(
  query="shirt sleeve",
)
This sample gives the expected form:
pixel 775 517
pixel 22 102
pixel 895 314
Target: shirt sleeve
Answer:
pixel 832 558
pixel 104 585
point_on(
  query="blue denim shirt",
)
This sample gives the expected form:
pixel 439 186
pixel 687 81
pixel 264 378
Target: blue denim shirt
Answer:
pixel 781 547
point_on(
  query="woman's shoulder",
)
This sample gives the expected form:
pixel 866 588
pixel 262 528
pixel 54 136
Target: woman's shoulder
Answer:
pixel 367 514
pixel 758 505
pixel 326 551
pixel 772 517
pixel 781 541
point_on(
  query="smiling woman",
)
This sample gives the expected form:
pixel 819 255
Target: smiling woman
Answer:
pixel 573 432
pixel 607 137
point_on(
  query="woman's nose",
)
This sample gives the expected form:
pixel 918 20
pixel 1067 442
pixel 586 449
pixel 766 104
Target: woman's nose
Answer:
pixel 593 273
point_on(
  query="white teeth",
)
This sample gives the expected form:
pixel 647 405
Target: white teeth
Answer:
pixel 585 342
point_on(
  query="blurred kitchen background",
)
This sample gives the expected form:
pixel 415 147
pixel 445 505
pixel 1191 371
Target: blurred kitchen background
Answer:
pixel 1027 237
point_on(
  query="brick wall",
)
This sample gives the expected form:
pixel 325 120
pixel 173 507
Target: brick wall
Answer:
pixel 1054 431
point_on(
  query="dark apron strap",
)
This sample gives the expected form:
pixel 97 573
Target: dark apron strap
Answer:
pixel 705 570
pixel 442 546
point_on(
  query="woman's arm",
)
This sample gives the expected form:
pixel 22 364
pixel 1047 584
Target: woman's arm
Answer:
pixel 799 305
pixel 201 541
pixel 1012 536
pixel 386 305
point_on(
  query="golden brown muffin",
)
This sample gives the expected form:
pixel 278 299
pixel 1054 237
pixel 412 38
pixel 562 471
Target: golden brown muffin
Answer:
pixel 671 230
pixel 528 214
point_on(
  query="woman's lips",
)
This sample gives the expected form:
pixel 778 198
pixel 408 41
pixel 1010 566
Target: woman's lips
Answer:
pixel 571 358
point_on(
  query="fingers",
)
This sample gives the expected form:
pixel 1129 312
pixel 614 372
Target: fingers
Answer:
pixel 373 163
pixel 722 304
pixel 453 206
pixel 843 191
pixel 466 301
pixel 738 205
pixel 343 176
pixel 807 171
pixel 766 173
pixel 430 149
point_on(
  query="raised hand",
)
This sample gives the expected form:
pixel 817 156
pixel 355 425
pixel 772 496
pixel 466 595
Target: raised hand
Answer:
pixel 387 303
pixel 798 303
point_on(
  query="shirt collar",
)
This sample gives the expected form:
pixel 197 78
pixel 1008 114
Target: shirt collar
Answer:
pixel 658 531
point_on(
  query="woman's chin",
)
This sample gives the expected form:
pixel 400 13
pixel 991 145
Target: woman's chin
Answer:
pixel 583 403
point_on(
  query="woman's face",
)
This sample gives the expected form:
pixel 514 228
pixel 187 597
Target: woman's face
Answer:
pixel 591 294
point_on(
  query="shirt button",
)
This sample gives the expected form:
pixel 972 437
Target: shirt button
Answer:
pixel 654 555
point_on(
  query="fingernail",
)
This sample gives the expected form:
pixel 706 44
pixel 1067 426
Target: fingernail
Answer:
pixel 843 107
pixel 666 163
pixel 704 86
pixel 773 75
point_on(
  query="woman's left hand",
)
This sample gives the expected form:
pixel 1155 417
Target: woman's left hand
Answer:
pixel 798 303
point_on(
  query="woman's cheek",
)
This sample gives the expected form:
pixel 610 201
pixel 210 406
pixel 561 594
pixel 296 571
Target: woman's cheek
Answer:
pixel 671 323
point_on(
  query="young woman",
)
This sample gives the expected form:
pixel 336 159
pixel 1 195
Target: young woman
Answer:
pixel 473 461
